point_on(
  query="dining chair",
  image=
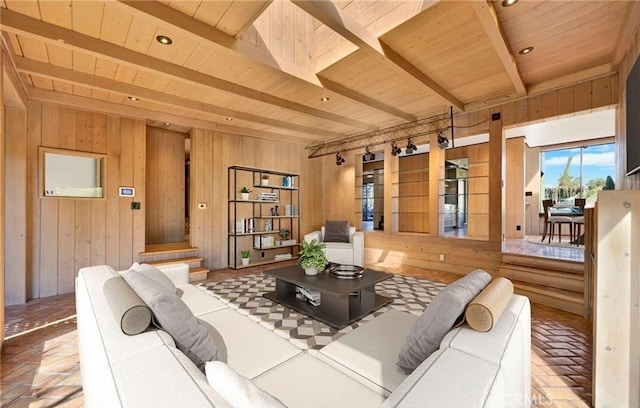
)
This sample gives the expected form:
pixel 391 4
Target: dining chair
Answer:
pixel 578 222
pixel 550 221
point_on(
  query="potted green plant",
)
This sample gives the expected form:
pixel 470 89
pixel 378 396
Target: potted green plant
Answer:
pixel 244 193
pixel 245 256
pixel 284 234
pixel 265 179
pixel 311 257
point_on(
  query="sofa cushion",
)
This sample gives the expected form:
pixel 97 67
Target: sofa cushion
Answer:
pixel 438 318
pixel 236 389
pixel 251 348
pixel 129 310
pixel 199 301
pixel 154 273
pixel 173 316
pixel 306 382
pixel 485 310
pixel 371 351
pixel 336 231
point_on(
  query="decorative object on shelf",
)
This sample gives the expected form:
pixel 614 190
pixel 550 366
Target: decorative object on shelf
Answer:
pixel 346 271
pixel 244 193
pixel 277 211
pixel 286 181
pixel 312 257
pixel 267 197
pixel 245 256
pixel 264 180
pixel 268 226
pixel 284 233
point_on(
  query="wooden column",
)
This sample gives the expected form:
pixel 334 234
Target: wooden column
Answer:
pixel 2 183
pixel 616 331
pixel 436 187
pixel 390 179
pixel 496 177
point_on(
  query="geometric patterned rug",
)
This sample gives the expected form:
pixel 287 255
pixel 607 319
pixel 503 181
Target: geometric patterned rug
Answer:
pixel 244 294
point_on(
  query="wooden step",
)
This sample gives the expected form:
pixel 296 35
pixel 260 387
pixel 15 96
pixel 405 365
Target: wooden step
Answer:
pixel 170 248
pixel 568 301
pixel 192 261
pixel 559 265
pixel 197 274
pixel 553 279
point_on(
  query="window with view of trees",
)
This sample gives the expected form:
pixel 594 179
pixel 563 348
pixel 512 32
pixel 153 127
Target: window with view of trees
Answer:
pixel 578 172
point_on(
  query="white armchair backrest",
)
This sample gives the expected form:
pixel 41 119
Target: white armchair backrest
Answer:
pixel 352 230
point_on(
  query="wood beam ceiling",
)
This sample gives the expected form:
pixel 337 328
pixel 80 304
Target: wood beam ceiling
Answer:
pixel 163 15
pixel 488 17
pixel 629 27
pixel 23 25
pixel 134 112
pixel 327 13
pixel 43 69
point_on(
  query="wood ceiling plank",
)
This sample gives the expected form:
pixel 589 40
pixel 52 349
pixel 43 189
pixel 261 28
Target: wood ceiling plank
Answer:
pixel 87 17
pixel 145 92
pixel 198 57
pixel 80 90
pixel 288 41
pixel 56 12
pixel 210 12
pixel 141 34
pixel 60 56
pixel 14 43
pixel 42 83
pixel 488 18
pixel 99 95
pixel 28 8
pixel 183 49
pixel 627 31
pixel 188 7
pixel 15 22
pixel 106 69
pixel 63 87
pixel 350 29
pixel 83 62
pixel 34 49
pixel 115 25
pixel 125 74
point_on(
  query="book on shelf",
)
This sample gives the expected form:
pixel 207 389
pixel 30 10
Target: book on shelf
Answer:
pixel 311 296
pixel 244 226
pixel 282 257
pixel 263 241
pixel 290 210
pixel 267 197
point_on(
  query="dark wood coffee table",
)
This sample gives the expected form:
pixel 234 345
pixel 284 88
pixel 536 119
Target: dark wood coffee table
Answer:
pixel 343 301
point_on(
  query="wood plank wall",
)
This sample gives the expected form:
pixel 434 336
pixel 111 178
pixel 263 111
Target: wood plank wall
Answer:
pixel 211 155
pixel 514 205
pixel 2 199
pixel 623 182
pixel 64 235
pixel 165 192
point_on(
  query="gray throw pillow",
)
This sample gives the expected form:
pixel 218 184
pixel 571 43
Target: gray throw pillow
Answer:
pixel 438 318
pixel 133 315
pixel 174 317
pixel 336 231
pixel 154 273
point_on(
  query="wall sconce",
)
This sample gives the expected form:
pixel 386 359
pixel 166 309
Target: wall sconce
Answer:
pixel 443 142
pixel 411 147
pixel 339 159
pixel 395 150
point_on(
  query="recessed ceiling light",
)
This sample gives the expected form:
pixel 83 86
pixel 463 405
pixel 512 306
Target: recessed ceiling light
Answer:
pixel 133 98
pixel 324 99
pixel 228 118
pixel 167 124
pixel 525 50
pixel 507 3
pixel 164 40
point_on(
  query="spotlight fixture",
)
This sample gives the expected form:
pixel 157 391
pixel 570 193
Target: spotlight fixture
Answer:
pixel 443 142
pixel 411 147
pixel 167 124
pixel 339 159
pixel 132 98
pixel 368 155
pixel 525 51
pixel 325 99
pixel 228 118
pixel 508 3
pixel 395 150
pixel 164 40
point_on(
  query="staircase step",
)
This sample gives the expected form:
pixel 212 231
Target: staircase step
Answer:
pixel 568 301
pixel 192 261
pixel 554 279
pixel 197 274
pixel 560 265
pixel 170 248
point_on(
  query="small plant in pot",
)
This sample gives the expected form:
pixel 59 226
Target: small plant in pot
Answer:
pixel 265 179
pixel 311 257
pixel 245 256
pixel 244 193
pixel 284 234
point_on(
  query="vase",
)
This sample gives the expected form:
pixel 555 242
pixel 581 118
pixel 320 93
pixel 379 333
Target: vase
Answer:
pixel 245 261
pixel 245 196
pixel 265 182
pixel 311 271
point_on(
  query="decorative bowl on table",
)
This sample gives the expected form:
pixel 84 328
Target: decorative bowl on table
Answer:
pixel 346 271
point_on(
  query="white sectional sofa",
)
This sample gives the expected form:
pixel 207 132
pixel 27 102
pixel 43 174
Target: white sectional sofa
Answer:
pixel 471 369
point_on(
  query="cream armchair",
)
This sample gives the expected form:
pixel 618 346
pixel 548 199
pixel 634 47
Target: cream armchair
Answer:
pixel 349 253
